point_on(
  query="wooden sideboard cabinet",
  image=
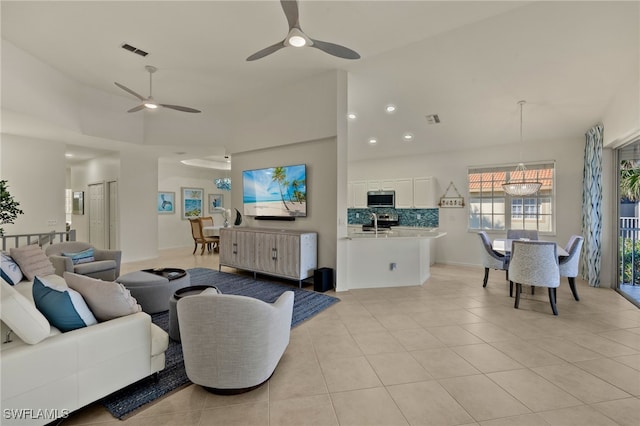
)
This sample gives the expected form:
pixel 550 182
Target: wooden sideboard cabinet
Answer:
pixel 288 254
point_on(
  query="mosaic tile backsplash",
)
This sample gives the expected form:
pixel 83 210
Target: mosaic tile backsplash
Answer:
pixel 429 218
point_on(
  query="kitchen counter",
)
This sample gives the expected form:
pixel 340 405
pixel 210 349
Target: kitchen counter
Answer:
pixel 397 257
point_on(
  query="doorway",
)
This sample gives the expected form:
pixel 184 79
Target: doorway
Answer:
pixel 628 172
pixel 103 215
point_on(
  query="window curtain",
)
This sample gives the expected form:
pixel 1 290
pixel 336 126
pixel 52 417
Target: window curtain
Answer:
pixel 592 206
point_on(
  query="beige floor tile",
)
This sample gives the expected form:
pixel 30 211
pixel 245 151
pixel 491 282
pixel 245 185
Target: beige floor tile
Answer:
pixel 397 322
pixel 632 361
pixel 482 398
pixel 577 416
pixel 190 398
pixel 396 368
pixel 297 377
pixel 453 335
pixel 569 351
pixel 254 414
pixel 444 362
pixel 362 324
pixel 186 418
pixel 428 403
pixel 486 358
pixel 338 346
pixel 417 339
pixel 377 342
pixel 534 391
pixel 446 317
pixel 349 374
pixel 620 375
pixel 523 420
pixel 527 353
pixel 581 384
pixel 489 332
pixel 369 407
pixel 601 345
pixel 623 337
pixel 308 411
pixel 625 412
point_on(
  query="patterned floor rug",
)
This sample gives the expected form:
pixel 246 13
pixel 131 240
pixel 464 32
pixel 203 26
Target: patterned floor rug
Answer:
pixel 125 402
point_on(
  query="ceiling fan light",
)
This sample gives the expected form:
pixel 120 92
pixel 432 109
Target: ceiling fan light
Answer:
pixel 297 41
pixel 150 105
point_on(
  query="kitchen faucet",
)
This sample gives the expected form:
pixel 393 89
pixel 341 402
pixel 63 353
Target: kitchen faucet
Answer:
pixel 375 222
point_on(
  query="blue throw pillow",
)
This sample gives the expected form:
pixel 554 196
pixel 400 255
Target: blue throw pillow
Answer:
pixel 81 256
pixel 64 308
pixel 10 271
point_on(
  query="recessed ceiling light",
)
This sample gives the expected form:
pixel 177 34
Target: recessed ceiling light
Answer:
pixel 352 116
pixel 373 141
pixel 407 137
pixel 390 109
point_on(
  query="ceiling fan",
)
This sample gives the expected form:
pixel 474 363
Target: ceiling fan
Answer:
pixel 149 102
pixel 297 38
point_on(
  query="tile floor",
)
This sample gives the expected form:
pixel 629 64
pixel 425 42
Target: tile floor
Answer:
pixel 446 353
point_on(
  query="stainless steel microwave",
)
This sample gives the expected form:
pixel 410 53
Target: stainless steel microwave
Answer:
pixel 381 199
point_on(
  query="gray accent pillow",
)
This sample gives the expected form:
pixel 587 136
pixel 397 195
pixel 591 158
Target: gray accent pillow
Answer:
pixel 32 261
pixel 106 299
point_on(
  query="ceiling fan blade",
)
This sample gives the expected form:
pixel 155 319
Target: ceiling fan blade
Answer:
pixel 335 49
pixel 126 89
pixel 180 108
pixel 290 8
pixel 266 51
pixel 138 108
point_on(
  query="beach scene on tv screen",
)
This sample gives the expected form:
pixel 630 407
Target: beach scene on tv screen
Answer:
pixel 276 191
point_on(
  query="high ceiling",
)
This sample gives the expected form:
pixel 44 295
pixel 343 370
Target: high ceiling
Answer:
pixel 469 62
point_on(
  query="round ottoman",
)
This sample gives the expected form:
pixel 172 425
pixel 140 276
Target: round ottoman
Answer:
pixel 174 326
pixel 152 290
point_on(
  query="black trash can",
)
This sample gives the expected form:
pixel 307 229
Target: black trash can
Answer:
pixel 323 279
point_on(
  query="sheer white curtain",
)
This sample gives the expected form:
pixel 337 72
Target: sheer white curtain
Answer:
pixel 592 205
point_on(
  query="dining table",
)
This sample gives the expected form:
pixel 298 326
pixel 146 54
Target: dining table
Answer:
pixel 211 231
pixel 504 245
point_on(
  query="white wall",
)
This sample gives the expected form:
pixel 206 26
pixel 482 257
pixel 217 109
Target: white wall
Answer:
pixel 35 172
pixel 460 246
pixel 320 158
pixel 173 231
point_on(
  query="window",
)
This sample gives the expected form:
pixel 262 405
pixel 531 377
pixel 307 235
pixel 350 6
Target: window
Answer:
pixel 490 208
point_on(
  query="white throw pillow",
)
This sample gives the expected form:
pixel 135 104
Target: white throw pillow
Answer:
pixel 21 316
pixel 106 299
pixel 10 270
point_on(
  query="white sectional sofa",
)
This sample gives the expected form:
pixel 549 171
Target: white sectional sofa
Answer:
pixel 66 371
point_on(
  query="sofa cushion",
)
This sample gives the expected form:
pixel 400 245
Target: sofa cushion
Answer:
pixel 21 316
pixel 10 271
pixel 97 266
pixel 32 261
pixel 83 256
pixel 106 299
pixel 159 340
pixel 63 307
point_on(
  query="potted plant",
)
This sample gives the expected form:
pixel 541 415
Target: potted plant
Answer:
pixel 9 208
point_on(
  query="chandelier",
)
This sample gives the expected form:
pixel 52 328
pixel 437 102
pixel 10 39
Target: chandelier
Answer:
pixel 518 185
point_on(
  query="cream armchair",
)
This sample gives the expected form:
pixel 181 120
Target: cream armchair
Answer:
pixel 105 266
pixel 232 344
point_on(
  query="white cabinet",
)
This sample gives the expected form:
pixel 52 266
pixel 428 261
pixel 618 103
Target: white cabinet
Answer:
pixel 289 254
pixel 424 192
pixel 404 193
pixel 357 194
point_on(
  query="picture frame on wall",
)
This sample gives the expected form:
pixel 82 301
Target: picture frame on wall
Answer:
pixel 166 202
pixel 77 202
pixel 215 202
pixel 192 202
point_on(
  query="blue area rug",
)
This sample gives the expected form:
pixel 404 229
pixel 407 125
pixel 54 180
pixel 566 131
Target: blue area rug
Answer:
pixel 306 304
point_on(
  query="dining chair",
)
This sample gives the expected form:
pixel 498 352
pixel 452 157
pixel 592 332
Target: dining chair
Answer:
pixel 491 259
pixel 208 221
pixel 569 265
pixel 516 234
pixel 535 263
pixel 198 237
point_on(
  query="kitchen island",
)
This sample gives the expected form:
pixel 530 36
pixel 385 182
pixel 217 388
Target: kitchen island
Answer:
pixel 398 257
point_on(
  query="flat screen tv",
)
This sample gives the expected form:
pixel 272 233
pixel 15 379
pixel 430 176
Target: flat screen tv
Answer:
pixel 275 192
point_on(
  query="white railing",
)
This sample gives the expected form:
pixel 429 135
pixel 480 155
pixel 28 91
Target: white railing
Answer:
pixel 41 239
pixel 629 236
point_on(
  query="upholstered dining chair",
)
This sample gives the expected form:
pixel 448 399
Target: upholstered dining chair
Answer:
pixel 491 259
pixel 208 221
pixel 569 265
pixel 198 237
pixel 535 263
pixel 516 234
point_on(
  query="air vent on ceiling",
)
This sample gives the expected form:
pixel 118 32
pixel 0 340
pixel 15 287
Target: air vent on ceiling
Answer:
pixel 433 119
pixel 134 49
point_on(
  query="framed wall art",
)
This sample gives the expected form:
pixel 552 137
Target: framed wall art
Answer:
pixel 166 202
pixel 215 202
pixel 192 202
